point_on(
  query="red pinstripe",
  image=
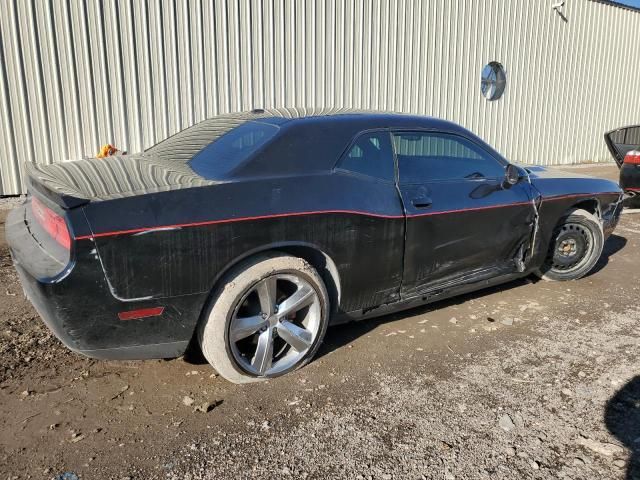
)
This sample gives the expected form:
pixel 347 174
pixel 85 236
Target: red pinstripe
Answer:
pixel 323 212
pixel 232 220
pixel 471 209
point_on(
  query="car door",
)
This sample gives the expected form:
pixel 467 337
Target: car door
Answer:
pixel 370 250
pixel 462 224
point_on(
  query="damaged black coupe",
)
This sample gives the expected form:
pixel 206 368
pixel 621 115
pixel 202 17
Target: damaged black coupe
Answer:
pixel 250 233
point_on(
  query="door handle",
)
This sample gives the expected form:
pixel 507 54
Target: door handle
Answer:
pixel 422 202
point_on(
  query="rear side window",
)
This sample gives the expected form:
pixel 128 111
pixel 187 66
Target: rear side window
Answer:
pixel 370 155
pixel 429 156
pixel 232 148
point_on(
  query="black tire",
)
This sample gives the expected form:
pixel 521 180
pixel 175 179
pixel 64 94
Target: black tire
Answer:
pixel 234 293
pixel 575 248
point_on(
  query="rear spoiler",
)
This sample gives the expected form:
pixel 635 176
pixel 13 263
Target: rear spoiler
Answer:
pixel 64 200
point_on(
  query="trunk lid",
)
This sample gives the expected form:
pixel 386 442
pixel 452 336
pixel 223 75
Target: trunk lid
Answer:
pixel 72 184
pixel 621 141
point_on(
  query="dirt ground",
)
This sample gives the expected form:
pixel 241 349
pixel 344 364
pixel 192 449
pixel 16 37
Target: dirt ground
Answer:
pixel 529 380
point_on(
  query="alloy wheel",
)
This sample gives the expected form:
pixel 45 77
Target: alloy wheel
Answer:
pixel 275 324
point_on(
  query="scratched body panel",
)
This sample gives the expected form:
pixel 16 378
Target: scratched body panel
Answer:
pixel 189 258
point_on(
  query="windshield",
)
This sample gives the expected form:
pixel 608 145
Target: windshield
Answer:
pixel 231 149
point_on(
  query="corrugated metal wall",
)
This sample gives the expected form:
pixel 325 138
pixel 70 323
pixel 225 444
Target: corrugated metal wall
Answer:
pixel 75 74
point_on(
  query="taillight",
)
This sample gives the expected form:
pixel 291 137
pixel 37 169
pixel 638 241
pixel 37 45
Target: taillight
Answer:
pixel 52 223
pixel 633 157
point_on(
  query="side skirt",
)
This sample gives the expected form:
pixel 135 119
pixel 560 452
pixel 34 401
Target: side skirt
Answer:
pixel 424 299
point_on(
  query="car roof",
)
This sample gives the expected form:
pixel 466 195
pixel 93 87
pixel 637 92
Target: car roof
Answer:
pixel 377 118
pixel 312 140
pixel 176 151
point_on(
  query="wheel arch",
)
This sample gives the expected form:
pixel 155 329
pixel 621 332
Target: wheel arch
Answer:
pixel 588 209
pixel 324 265
pixel 317 258
pixel 591 205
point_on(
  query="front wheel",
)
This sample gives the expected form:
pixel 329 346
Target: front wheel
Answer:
pixel 575 247
pixel 268 318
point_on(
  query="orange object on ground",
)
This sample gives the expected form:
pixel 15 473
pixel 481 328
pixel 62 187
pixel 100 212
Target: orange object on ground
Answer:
pixel 106 151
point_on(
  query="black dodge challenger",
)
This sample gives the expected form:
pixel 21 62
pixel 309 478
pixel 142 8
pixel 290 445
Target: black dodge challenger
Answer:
pixel 250 233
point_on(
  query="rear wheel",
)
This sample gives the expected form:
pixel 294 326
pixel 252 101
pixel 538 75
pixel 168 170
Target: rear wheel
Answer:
pixel 268 318
pixel 575 247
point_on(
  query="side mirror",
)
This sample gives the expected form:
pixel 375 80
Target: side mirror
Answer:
pixel 511 176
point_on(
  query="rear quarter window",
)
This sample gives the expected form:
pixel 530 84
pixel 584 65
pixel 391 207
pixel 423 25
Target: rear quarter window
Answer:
pixel 230 150
pixel 371 154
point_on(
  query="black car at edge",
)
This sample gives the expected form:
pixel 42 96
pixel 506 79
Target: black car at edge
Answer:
pixel 624 145
pixel 250 233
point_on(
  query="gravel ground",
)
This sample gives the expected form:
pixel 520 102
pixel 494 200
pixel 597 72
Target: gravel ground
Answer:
pixel 7 203
pixel 530 380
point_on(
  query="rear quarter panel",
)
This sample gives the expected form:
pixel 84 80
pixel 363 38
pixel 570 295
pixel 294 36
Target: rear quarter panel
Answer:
pixel 180 243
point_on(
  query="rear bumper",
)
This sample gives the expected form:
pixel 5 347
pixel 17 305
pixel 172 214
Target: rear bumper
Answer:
pixel 78 307
pixel 47 309
pixel 58 315
pixel 630 178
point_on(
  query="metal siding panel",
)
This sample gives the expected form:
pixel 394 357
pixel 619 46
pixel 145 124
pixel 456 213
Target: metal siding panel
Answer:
pixel 288 25
pixel 278 53
pixel 17 92
pixel 75 74
pixel 131 75
pixel 9 175
pixel 348 54
pixel 160 65
pixel 319 53
pixel 197 58
pixel 184 63
pixel 245 47
pixel 210 62
pixel 257 55
pixel 298 12
pixel 148 83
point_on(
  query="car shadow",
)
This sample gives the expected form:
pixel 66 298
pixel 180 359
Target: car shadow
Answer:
pixel 613 245
pixel 622 417
pixel 340 335
pixel 193 355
